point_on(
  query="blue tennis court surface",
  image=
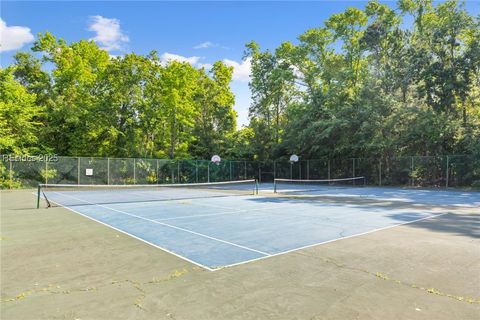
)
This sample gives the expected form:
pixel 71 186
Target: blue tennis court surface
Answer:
pixel 217 232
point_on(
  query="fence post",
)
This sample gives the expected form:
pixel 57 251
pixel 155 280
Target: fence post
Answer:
pixel 308 169
pixel 178 172
pixel 411 171
pixel 134 172
pixel 274 169
pixel 447 174
pixel 158 176
pixel 108 170
pixel 196 171
pixel 353 170
pixel 10 172
pixel 259 174
pixel 291 170
pixel 78 170
pixel 46 171
pixel 245 168
pixel 380 173
pixel 231 177
pixel 208 172
pixel 328 165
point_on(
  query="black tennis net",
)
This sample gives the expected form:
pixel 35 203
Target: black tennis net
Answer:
pixel 74 194
pixel 310 186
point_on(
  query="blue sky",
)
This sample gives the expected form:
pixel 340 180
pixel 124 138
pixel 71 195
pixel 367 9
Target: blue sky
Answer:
pixel 199 32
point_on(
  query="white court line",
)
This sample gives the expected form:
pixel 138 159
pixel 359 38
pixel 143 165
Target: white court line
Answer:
pixel 134 236
pixel 256 259
pixel 216 214
pixel 169 225
pixel 329 241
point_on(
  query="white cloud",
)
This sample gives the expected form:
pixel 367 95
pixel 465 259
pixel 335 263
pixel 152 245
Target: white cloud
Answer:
pixel 241 71
pixel 205 45
pixel 209 44
pixel 13 37
pixel 166 57
pixel 108 33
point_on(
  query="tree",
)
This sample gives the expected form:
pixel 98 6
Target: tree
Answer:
pixel 18 113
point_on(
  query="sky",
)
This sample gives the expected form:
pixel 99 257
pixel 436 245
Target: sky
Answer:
pixel 194 31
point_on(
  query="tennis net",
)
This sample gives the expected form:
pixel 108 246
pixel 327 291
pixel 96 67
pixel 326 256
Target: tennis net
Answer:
pixel 311 186
pixel 79 195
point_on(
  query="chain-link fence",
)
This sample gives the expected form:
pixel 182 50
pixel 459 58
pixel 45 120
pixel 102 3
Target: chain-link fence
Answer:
pixel 413 171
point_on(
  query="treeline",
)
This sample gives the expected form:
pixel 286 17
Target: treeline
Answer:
pixel 75 99
pixel 377 82
pixel 370 83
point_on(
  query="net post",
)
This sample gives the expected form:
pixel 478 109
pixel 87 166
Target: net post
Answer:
pixel 447 173
pixel 274 185
pixel 255 188
pixel 38 196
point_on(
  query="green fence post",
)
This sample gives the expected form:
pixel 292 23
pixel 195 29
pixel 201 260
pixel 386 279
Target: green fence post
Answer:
pixel 78 170
pixel 196 171
pixel 274 170
pixel 10 172
pixel 380 173
pixel 447 173
pixel 328 164
pixel 108 170
pixel 134 172
pixel 46 172
pixel 308 169
pixel 178 172
pixel 412 182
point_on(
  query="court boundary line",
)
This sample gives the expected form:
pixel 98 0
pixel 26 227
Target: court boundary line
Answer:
pixel 256 259
pixel 329 241
pixel 215 214
pixel 136 237
pixel 172 226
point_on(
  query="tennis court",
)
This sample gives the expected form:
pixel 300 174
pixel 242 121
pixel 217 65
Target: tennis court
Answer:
pixel 225 224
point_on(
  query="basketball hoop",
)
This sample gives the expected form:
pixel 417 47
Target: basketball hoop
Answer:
pixel 216 159
pixel 293 158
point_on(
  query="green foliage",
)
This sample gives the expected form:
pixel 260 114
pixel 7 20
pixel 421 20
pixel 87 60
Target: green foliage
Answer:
pixel 365 84
pixel 18 116
pixel 388 91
